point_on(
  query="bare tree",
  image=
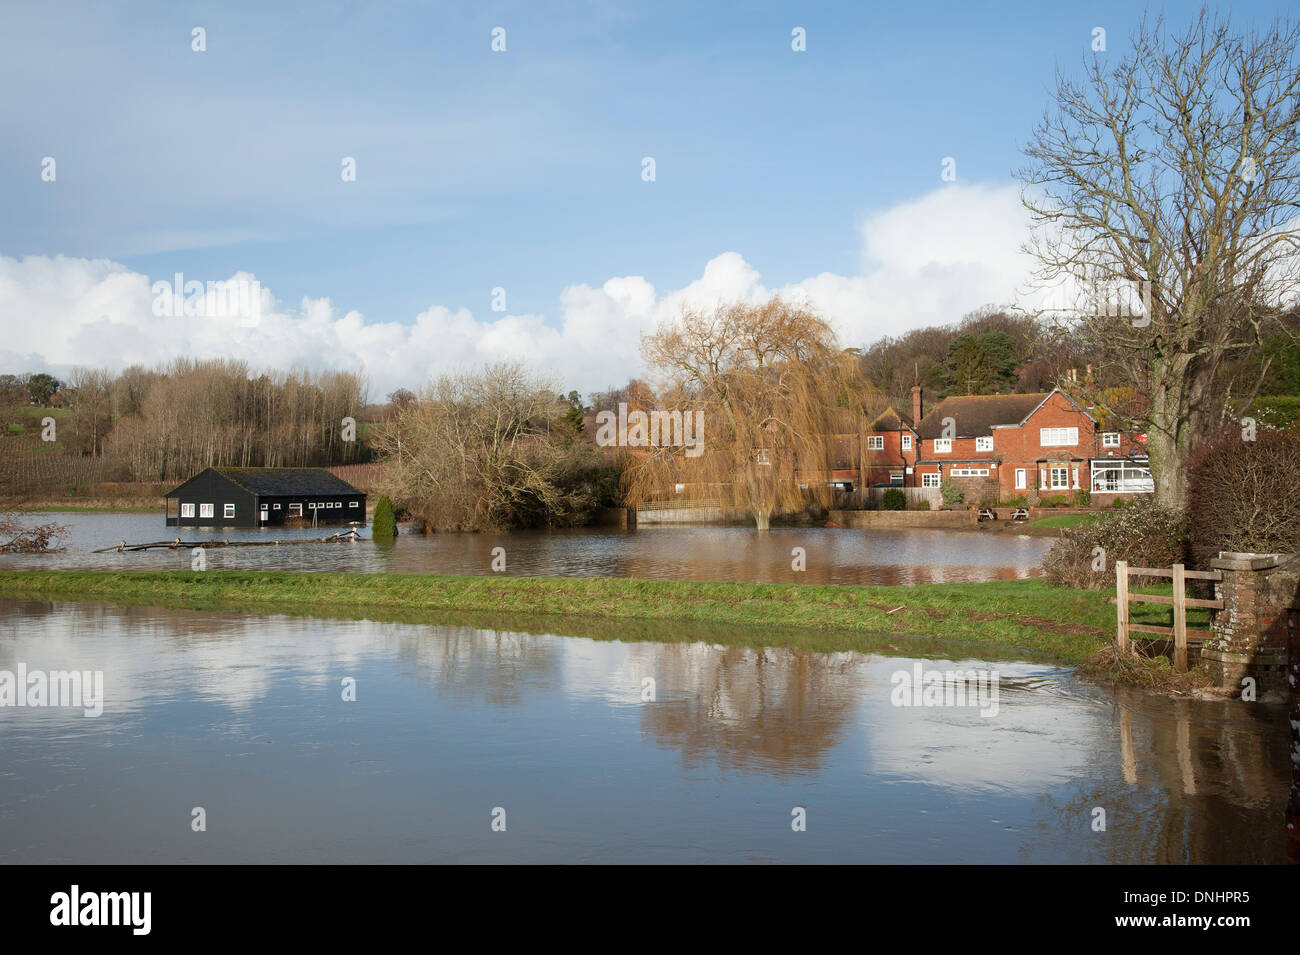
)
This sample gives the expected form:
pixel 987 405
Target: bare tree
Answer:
pixel 487 451
pixel 771 387
pixel 1167 187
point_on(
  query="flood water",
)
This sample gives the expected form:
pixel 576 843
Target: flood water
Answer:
pixel 833 556
pixel 243 716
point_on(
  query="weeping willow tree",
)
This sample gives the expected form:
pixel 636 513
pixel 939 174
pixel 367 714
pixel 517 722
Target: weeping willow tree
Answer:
pixel 767 388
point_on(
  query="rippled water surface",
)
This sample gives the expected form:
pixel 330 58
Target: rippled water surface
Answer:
pixel 914 556
pixel 243 715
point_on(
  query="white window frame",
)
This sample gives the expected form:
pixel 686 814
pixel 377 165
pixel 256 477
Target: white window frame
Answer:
pixel 984 444
pixel 1051 477
pixel 275 507
pixel 295 510
pixel 354 503
pixel 930 479
pixel 969 472
pixel 875 442
pixel 207 510
pixel 906 442
pixel 187 510
pixel 1058 437
pixel 227 511
pixel 943 445
pixel 1110 439
pixel 1022 479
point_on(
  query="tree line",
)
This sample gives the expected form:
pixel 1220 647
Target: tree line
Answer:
pixel 170 422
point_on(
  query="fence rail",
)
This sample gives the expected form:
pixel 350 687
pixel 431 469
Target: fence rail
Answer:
pixel 678 505
pixel 1179 601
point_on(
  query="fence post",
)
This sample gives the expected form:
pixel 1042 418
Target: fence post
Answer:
pixel 1121 605
pixel 1180 619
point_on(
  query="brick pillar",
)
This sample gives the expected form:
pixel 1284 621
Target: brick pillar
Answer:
pixel 1250 633
pixel 1293 804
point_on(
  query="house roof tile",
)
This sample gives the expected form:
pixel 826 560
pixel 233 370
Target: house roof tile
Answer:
pixel 977 415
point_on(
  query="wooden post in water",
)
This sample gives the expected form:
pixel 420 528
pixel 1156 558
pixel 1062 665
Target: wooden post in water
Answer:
pixel 1180 619
pixel 1121 606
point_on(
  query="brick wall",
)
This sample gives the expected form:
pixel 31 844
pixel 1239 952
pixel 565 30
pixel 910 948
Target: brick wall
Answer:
pixel 873 520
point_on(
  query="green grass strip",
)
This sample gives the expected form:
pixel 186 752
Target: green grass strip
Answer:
pixel 1021 615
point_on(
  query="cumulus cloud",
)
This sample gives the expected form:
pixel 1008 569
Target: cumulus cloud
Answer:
pixel 925 261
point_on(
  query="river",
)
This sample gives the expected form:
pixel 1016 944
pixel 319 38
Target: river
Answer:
pixel 562 741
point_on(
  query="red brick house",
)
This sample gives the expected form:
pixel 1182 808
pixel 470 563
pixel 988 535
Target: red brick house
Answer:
pixel 1033 446
pixel 891 445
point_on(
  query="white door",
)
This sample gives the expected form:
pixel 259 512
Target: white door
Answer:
pixel 1020 479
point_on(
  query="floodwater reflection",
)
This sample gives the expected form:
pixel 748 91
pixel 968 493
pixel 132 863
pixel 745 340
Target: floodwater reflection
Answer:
pixel 244 716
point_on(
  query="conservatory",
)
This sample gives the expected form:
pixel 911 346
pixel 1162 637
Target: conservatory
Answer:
pixel 1122 476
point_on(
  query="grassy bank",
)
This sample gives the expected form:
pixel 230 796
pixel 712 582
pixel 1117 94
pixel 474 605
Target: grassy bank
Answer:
pixel 1007 616
pixel 1061 521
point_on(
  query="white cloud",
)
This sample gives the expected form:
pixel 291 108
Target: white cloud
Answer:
pixel 926 261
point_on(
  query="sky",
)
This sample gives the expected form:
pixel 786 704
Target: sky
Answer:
pixel 502 205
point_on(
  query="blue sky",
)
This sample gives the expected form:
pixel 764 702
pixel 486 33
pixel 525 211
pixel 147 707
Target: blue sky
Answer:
pixel 519 169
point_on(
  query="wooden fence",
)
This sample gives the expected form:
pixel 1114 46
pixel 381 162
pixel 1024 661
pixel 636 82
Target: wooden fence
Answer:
pixel 1179 601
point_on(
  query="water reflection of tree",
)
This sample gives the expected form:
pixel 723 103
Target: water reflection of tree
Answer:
pixel 469 663
pixel 1188 781
pixel 778 711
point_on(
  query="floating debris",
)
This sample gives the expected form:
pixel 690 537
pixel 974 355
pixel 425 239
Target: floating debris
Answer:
pixel 351 534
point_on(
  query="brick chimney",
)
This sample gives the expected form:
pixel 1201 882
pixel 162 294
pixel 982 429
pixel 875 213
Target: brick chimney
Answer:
pixel 916 405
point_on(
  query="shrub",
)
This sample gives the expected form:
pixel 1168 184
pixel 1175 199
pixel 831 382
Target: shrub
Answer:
pixel 922 505
pixel 1082 498
pixel 1244 494
pixel 384 524
pixel 894 500
pixel 1018 501
pixel 989 500
pixel 1119 502
pixel 1145 534
pixel 951 493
